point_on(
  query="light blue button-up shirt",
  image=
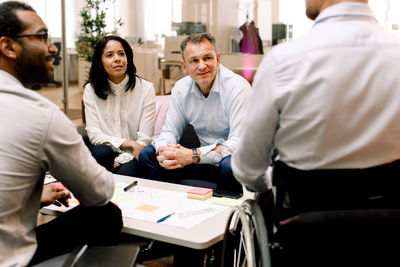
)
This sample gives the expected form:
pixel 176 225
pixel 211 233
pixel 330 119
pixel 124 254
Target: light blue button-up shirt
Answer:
pixel 216 119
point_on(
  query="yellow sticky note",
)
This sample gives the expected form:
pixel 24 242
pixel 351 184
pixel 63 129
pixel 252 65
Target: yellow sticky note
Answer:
pixel 224 201
pixel 121 198
pixel 147 207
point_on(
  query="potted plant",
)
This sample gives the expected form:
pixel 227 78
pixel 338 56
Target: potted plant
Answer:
pixel 93 27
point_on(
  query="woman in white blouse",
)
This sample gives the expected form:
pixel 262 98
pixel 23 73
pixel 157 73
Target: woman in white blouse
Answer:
pixel 120 107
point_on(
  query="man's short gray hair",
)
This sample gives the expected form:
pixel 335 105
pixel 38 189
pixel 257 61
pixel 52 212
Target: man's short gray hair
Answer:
pixel 196 38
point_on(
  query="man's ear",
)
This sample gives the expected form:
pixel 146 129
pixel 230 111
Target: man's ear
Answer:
pixel 8 47
pixel 218 59
pixel 183 67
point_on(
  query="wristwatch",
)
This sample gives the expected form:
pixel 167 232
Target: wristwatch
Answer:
pixel 195 157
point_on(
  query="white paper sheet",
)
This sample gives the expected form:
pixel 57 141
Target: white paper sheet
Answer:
pixel 151 204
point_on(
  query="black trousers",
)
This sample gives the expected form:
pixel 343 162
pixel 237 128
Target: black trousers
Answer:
pixel 336 189
pixel 221 175
pixel 100 226
pixel 105 156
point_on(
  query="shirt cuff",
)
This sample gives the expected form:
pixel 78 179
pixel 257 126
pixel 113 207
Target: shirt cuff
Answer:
pixel 156 145
pixel 124 158
pixel 212 158
pixel 117 142
pixel 205 149
pixel 207 156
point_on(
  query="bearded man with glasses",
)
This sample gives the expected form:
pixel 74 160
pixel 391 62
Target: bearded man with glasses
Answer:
pixel 36 137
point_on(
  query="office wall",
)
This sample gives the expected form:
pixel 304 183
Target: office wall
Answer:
pixel 196 10
pixel 220 17
pixel 224 22
pixel 132 15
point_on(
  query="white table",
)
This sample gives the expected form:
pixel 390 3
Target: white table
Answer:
pixel 200 236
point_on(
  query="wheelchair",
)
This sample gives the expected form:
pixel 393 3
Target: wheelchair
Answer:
pixel 320 218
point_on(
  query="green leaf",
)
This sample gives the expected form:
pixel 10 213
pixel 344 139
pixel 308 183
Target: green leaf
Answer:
pixel 93 24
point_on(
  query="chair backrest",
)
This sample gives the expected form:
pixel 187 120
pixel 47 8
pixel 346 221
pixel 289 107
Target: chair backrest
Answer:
pixel 335 189
pixel 341 238
pixel 337 217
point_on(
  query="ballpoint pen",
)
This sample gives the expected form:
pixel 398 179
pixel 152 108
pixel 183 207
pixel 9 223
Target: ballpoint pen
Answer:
pixel 130 186
pixel 166 217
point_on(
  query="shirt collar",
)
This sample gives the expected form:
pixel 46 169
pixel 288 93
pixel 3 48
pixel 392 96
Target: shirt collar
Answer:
pixel 120 87
pixel 214 88
pixel 11 77
pixel 345 9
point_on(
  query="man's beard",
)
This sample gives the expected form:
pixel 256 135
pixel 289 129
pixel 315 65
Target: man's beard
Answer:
pixel 312 9
pixel 32 71
pixel 312 14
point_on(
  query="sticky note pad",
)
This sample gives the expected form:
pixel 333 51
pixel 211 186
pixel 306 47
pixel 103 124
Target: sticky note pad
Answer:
pixel 147 207
pixel 200 193
pixel 225 201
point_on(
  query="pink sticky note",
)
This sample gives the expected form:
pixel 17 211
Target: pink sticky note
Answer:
pixel 199 191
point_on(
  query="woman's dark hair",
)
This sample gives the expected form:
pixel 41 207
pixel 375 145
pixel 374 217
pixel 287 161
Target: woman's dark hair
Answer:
pixel 10 25
pixel 98 77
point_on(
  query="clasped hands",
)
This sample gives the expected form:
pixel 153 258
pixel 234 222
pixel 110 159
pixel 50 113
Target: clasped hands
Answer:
pixel 174 156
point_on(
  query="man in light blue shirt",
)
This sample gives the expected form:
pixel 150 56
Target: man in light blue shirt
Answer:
pixel 213 100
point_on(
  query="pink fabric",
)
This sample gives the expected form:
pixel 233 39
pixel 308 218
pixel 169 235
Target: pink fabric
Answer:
pixel 250 42
pixel 162 105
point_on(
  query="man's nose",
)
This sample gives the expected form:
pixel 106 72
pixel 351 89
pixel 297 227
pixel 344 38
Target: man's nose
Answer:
pixel 53 48
pixel 202 64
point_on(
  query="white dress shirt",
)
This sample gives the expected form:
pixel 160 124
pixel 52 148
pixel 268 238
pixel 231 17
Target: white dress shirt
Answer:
pixel 35 137
pixel 217 119
pixel 122 116
pixel 328 100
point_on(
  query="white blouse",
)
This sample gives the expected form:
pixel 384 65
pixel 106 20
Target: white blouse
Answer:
pixel 122 116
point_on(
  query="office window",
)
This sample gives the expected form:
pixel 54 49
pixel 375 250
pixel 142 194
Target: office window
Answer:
pixel 258 11
pixel 294 13
pixel 246 11
pixel 387 12
pixel 50 12
pixel 159 15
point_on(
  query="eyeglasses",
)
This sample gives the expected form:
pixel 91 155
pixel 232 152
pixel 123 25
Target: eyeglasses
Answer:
pixel 45 36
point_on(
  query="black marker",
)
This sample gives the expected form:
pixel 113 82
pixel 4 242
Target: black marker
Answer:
pixel 130 186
